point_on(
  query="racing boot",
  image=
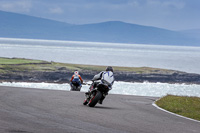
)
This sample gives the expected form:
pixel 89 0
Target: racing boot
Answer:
pixel 101 100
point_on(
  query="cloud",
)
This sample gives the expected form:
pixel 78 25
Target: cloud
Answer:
pixel 166 4
pixel 174 4
pixel 16 6
pixel 56 10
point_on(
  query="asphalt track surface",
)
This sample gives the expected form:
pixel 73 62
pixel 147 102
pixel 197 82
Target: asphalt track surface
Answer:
pixel 25 110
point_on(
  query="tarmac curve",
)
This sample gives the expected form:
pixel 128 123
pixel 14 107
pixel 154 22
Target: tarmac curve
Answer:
pixel 26 110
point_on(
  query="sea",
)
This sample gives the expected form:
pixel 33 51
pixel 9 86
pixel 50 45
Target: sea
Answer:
pixel 181 58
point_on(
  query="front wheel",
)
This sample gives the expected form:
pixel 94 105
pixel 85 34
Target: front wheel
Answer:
pixel 95 99
pixel 85 102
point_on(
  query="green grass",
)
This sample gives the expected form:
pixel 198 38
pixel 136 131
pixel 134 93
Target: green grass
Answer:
pixel 8 65
pixel 182 105
pixel 5 61
pixel 18 64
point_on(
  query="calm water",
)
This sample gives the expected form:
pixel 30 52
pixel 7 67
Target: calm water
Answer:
pixel 132 55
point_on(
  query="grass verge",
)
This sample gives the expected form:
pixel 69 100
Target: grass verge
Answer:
pixel 182 105
pixel 19 64
pixel 6 61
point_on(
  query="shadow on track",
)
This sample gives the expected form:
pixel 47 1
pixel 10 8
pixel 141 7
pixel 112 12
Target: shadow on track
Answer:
pixel 104 107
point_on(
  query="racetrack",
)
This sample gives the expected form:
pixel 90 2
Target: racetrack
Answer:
pixel 25 110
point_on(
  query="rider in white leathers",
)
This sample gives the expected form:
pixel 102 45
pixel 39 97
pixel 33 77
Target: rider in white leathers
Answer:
pixel 103 76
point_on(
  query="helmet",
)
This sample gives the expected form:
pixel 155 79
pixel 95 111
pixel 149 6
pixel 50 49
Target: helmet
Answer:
pixel 109 68
pixel 76 73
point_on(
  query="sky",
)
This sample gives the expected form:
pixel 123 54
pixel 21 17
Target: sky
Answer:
pixel 168 14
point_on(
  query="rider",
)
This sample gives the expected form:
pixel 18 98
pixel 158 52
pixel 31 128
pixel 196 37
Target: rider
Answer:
pixel 76 78
pixel 98 77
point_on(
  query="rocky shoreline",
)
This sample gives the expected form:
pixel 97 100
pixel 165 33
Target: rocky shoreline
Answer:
pixel 26 70
pixel 64 76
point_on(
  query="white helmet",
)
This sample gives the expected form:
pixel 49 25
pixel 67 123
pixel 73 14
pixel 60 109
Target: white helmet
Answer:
pixel 76 73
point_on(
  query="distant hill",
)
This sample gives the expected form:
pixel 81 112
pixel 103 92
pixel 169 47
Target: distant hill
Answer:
pixel 193 33
pixel 13 25
pixel 23 26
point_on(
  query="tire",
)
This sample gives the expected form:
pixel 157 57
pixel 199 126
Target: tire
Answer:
pixel 74 88
pixel 85 102
pixel 78 88
pixel 95 99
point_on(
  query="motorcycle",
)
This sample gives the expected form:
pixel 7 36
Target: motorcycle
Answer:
pixel 75 86
pixel 96 94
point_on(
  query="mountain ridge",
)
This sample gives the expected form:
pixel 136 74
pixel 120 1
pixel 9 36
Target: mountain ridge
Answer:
pixel 14 25
pixel 194 33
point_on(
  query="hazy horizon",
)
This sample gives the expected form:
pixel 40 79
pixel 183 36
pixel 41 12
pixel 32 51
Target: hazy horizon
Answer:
pixel 171 14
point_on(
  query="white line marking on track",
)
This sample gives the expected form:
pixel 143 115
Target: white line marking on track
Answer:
pixel 173 113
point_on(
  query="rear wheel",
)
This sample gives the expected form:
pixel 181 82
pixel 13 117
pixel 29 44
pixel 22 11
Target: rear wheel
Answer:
pixel 73 88
pixel 95 99
pixel 78 88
